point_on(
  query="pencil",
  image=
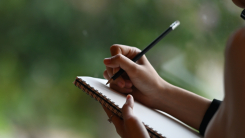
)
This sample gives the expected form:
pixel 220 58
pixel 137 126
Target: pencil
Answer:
pixel 137 57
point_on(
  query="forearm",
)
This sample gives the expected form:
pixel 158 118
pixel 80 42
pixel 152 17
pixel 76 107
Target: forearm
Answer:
pixel 183 105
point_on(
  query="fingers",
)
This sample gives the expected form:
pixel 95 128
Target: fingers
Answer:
pixel 128 51
pixel 123 62
pixel 115 87
pixel 120 82
pixel 128 107
pixel 111 71
pixel 105 74
pixel 133 126
pixel 122 56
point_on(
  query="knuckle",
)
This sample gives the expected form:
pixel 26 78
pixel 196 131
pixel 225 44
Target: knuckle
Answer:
pixel 114 48
pixel 130 120
pixel 115 70
pixel 133 51
pixel 105 74
pixel 137 50
pixel 134 70
pixel 118 57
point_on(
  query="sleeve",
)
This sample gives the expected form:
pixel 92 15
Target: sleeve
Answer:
pixel 214 106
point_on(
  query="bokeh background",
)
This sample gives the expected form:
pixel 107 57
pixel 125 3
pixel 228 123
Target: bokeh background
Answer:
pixel 45 44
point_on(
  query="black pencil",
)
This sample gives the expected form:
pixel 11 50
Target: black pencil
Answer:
pixel 137 57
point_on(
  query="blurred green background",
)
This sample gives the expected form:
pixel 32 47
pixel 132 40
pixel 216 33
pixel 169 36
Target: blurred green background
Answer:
pixel 45 44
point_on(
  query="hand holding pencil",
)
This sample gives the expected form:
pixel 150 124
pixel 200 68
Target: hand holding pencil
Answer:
pixel 142 81
pixel 140 78
pixel 152 44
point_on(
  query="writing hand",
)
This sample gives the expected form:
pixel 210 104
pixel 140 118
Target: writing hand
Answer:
pixel 146 86
pixel 141 80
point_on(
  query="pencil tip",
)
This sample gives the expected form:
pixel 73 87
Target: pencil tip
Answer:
pixel 109 81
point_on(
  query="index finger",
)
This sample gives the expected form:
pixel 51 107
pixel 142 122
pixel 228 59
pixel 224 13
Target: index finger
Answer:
pixel 127 51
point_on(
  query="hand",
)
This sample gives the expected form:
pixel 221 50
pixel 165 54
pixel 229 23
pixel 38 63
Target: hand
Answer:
pixel 141 80
pixel 147 87
pixel 130 126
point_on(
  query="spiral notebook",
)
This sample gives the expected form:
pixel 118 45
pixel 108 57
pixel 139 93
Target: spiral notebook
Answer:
pixel 157 123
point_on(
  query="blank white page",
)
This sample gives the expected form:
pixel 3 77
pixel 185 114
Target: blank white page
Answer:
pixel 166 125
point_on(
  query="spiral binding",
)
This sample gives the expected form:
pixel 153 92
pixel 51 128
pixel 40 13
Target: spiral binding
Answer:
pixel 109 104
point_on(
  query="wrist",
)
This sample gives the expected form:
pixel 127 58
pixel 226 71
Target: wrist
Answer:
pixel 164 92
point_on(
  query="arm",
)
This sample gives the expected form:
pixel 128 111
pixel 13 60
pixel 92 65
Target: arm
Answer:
pixel 184 105
pixel 146 86
pixel 229 120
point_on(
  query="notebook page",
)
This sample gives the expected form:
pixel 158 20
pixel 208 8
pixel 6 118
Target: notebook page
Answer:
pixel 164 124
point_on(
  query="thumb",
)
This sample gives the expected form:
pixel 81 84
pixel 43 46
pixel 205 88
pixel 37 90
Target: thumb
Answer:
pixel 123 62
pixel 132 125
pixel 127 109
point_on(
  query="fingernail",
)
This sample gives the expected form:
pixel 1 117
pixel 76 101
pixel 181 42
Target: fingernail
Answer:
pixel 107 60
pixel 127 98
